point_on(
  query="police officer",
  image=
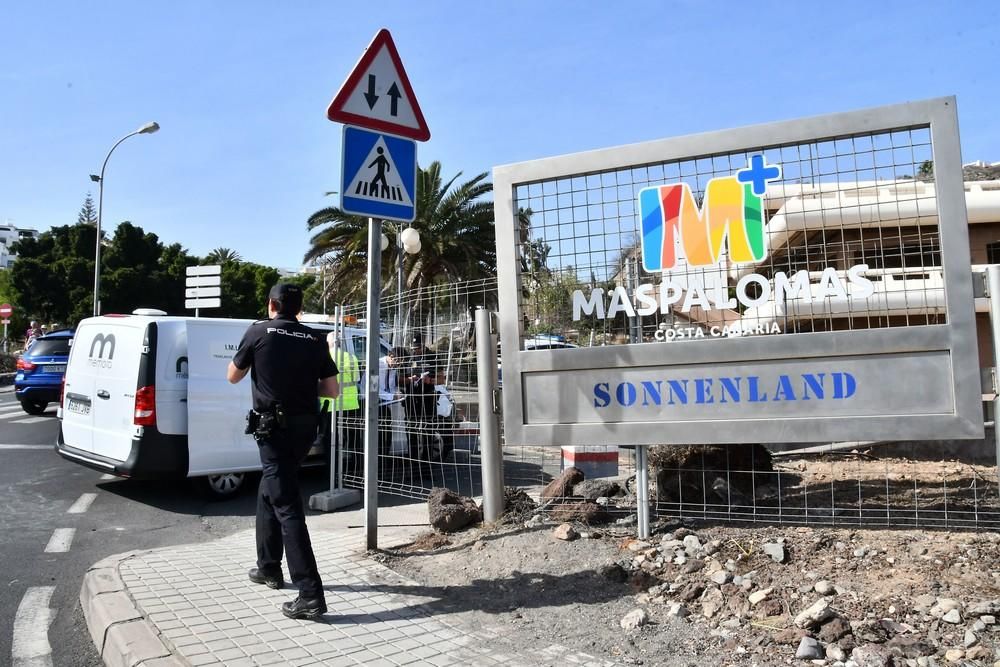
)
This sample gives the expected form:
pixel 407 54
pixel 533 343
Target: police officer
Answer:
pixel 290 367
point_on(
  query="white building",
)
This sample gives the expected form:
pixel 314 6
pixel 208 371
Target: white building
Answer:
pixel 9 234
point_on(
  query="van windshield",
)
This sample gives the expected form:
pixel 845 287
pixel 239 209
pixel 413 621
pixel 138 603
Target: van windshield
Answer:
pixel 50 347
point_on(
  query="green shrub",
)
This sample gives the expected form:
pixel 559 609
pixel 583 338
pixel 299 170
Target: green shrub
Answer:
pixel 8 363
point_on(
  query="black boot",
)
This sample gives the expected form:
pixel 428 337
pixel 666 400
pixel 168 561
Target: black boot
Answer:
pixel 301 607
pixel 275 580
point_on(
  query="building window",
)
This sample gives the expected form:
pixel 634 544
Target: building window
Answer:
pixel 993 253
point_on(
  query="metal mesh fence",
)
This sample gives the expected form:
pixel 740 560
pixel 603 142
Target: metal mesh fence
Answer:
pixel 428 429
pixel 846 217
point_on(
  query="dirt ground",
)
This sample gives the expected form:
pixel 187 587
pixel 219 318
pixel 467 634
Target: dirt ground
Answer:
pixel 717 594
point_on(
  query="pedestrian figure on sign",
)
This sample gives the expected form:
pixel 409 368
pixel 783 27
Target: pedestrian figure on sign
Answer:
pixel 382 164
pixel 291 369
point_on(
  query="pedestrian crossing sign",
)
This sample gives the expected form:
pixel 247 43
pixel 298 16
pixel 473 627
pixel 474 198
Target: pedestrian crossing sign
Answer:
pixel 379 175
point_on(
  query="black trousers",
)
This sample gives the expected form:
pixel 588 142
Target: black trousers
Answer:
pixel 281 521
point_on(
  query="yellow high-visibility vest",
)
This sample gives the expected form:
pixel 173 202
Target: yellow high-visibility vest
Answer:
pixel 349 376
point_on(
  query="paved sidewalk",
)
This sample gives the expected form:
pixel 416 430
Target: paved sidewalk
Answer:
pixel 193 605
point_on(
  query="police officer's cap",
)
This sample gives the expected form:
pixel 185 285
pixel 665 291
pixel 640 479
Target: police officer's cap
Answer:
pixel 289 297
pixel 416 340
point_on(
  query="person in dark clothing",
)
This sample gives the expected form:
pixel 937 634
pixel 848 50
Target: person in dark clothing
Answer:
pixel 290 368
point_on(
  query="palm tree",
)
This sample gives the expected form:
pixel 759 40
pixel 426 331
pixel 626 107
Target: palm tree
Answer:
pixel 456 234
pixel 220 255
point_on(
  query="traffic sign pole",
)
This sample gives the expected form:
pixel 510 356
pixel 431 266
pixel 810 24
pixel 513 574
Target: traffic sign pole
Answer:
pixel 6 310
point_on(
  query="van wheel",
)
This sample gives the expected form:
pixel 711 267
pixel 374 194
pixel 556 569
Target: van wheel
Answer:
pixel 221 487
pixel 33 407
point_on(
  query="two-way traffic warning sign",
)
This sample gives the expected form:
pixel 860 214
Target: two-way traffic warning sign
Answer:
pixel 377 94
pixel 379 175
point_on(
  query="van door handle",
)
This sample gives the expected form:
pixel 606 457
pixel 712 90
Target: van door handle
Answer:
pixel 103 394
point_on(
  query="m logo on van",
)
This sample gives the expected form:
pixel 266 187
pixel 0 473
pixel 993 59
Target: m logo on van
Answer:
pixel 102 343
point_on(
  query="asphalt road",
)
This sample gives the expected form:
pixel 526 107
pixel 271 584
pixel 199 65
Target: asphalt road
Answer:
pixel 37 491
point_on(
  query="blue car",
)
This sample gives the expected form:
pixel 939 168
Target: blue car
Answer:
pixel 40 371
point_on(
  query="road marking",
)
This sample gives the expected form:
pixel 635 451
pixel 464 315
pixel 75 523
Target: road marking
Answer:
pixel 31 420
pixel 106 477
pixel 31 646
pixel 26 446
pixel 60 541
pixel 82 504
pixel 8 408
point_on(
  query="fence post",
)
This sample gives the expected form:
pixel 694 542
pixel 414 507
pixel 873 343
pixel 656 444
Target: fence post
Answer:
pixel 642 490
pixel 993 291
pixel 489 430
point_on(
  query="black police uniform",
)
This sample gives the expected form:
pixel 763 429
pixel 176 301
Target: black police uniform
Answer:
pixel 286 361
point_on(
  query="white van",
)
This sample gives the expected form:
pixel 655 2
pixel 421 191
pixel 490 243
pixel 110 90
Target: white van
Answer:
pixel 146 397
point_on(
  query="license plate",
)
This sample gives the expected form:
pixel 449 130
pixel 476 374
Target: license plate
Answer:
pixel 79 407
pixel 54 368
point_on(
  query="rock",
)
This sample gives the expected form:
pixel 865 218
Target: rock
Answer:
pixel 691 592
pixel 860 552
pixel 711 602
pixel 677 610
pixel 824 587
pixel 970 639
pixel 910 646
pixel 871 655
pixel 835 653
pixel 833 630
pixel 634 620
pixel 534 521
pixel 868 631
pixel 692 544
pixel 988 619
pixel 769 608
pixel 922 603
pixel 586 511
pixel 720 577
pixel 815 614
pixel 613 572
pixel 892 628
pixel 790 636
pixel 978 626
pixel 562 486
pixel 593 489
pixel 448 512
pixel 758 597
pixel 991 608
pixel 954 617
pixel 978 653
pixel 809 649
pixel 692 566
pixel 682 532
pixel 776 551
pixel 954 655
pixel 565 532
pixel 943 606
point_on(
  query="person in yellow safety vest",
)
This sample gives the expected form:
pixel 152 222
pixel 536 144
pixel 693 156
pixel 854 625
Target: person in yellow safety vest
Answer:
pixel 347 404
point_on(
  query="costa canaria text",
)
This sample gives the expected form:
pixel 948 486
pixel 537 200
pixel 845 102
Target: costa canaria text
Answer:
pixel 835 386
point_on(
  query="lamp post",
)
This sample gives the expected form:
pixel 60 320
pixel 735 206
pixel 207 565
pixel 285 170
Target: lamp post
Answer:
pixel 148 128
pixel 408 241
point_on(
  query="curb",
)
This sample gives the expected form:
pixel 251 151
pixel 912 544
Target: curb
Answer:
pixel 6 379
pixel 120 632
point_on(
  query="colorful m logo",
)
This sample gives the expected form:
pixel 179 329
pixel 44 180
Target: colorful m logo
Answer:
pixel 731 212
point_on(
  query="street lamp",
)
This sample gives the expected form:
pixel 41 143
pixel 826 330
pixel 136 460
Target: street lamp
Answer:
pixel 148 128
pixel 408 241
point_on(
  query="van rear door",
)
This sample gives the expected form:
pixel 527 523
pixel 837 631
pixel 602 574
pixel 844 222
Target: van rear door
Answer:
pixel 101 385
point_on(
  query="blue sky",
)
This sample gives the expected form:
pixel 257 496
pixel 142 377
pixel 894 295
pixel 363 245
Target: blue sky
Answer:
pixel 241 90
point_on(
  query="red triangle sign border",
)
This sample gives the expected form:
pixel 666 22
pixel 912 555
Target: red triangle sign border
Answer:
pixel 336 111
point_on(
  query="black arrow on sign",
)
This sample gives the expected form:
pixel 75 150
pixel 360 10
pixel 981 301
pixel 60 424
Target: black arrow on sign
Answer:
pixel 394 93
pixel 370 96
